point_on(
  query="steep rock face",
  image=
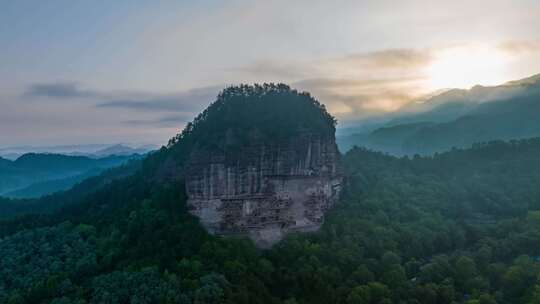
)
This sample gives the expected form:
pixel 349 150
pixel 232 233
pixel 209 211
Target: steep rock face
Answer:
pixel 265 190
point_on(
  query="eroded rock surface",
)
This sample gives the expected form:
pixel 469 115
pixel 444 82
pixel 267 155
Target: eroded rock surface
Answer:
pixel 265 190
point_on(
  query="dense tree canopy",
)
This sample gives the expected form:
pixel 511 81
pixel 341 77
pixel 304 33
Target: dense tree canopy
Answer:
pixel 459 227
pixel 240 115
pixel 259 113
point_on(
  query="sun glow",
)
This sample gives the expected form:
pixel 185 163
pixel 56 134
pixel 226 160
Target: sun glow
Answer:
pixel 466 66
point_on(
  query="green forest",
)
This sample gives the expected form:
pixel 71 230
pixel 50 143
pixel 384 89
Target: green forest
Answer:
pixel 256 113
pixel 458 227
pixel 36 174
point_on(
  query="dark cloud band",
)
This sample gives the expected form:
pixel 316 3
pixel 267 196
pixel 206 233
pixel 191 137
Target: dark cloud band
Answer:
pixel 190 101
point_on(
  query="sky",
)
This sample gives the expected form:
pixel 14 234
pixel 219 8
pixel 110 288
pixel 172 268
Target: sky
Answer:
pixel 81 72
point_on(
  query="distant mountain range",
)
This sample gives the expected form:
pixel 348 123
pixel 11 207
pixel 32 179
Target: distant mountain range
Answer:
pixel 89 150
pixel 457 118
pixel 120 150
pixel 34 175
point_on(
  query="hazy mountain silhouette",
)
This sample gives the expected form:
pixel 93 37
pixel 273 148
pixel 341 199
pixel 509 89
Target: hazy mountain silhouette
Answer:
pixel 90 150
pixel 459 118
pixel 121 149
pixel 33 175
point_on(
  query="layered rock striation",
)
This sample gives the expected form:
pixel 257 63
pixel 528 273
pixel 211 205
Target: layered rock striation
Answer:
pixel 261 161
pixel 265 190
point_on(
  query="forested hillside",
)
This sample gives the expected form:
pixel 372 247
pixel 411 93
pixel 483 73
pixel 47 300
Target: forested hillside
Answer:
pixel 458 118
pixel 459 227
pixel 33 175
pixel 52 202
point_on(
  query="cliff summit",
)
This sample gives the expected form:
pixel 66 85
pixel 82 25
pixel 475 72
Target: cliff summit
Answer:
pixel 262 162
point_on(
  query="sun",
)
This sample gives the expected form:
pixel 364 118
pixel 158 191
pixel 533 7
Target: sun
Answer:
pixel 466 66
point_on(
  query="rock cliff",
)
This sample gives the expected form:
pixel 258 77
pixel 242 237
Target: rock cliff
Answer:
pixel 262 162
pixel 265 190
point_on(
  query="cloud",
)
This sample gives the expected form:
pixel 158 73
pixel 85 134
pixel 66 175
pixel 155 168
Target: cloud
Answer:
pixel 367 63
pixel 170 121
pixel 158 103
pixel 192 100
pixel 60 90
pixel 357 84
pixel 360 84
pixel 363 94
pixel 516 47
pixel 275 69
pixel 353 99
pixel 388 59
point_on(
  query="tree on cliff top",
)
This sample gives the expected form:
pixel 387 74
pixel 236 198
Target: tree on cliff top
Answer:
pixel 256 113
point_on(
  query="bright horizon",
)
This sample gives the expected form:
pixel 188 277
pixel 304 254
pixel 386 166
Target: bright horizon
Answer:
pixel 136 72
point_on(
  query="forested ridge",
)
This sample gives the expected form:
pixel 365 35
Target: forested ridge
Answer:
pixel 33 175
pixel 261 113
pixel 459 227
pixel 458 118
